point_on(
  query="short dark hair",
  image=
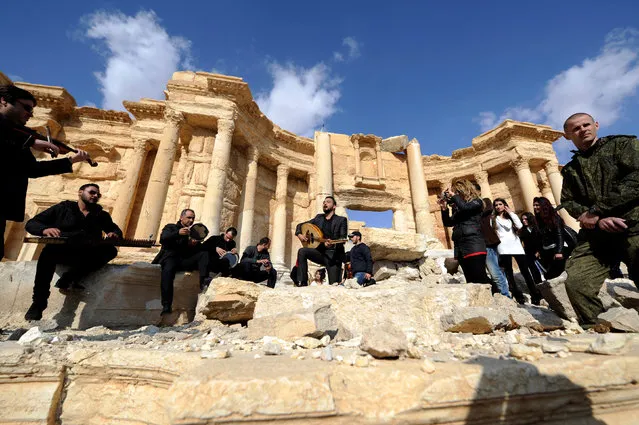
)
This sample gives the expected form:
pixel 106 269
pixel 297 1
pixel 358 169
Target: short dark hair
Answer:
pixel 185 210
pixel 84 186
pixel 331 197
pixel 11 93
pixel 233 231
pixel 264 241
pixel 578 114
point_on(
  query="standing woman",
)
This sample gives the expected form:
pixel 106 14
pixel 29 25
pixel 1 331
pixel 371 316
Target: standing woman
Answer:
pixel 530 237
pixel 506 223
pixel 553 252
pixel 470 248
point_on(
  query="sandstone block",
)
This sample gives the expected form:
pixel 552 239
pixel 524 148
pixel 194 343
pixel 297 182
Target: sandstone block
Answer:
pixel 313 322
pixel 475 320
pixel 609 344
pixel 621 319
pixel 386 244
pixel 554 292
pixel 384 269
pixel 229 300
pixel 394 144
pixel 386 341
pixel 623 291
pixel 521 351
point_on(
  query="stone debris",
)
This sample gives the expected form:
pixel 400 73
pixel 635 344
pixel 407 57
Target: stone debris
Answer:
pixel 525 352
pixel 327 354
pixel 32 336
pixel 272 349
pixel 229 300
pixel 216 354
pixel 385 341
pixel 620 319
pixel 475 320
pixel 394 144
pixel 609 344
pixel 428 366
pixel 308 343
pixel 554 292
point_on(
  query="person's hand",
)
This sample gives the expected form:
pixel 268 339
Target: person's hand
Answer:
pixel 559 256
pixel 81 156
pixel 612 224
pixel 587 220
pixel 328 243
pixel 262 261
pixel 193 242
pixel 443 205
pixel 234 251
pixel 367 276
pixel 112 235
pixel 51 232
pixel 220 251
pixel 302 238
pixel 48 147
pixel 507 209
pixel 184 231
pixel 537 256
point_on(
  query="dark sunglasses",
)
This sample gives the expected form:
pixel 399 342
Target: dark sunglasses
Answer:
pixel 95 192
pixel 25 106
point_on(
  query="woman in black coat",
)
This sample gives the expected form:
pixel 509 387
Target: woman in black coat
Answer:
pixel 470 247
pixel 553 253
pixel 531 238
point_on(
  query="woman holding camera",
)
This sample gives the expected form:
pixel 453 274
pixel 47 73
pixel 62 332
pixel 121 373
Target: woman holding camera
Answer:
pixel 470 248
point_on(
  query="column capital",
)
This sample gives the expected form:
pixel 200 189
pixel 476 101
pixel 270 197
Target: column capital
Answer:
pixel 551 167
pixel 542 178
pixel 173 116
pixel 225 125
pixel 520 163
pixel 141 144
pixel 282 169
pixel 481 176
pixel 253 153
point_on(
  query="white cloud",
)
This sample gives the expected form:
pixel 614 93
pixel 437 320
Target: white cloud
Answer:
pixel 599 85
pixel 140 55
pixel 338 57
pixel 301 98
pixel 353 47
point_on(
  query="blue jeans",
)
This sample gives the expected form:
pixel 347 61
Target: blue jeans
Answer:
pixel 360 276
pixel 496 274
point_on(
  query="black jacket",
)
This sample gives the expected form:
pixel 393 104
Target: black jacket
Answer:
pixel 335 228
pixel 67 217
pixel 218 241
pixel 174 244
pixel 531 238
pixel 17 166
pixel 361 259
pixel 466 224
pixel 552 238
pixel 251 255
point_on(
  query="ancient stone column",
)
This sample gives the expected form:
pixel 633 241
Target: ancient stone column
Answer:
pixel 214 196
pixel 544 186
pixel 126 194
pixel 156 192
pixel 248 213
pixel 481 178
pixel 556 181
pixel 324 167
pixel 526 181
pixel 278 243
pixel 399 220
pixel 418 189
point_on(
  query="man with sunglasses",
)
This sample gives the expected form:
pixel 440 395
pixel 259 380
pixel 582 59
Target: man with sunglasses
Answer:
pixel 17 163
pixel 80 222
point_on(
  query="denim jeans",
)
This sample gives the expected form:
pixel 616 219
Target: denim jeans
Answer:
pixel 496 274
pixel 361 277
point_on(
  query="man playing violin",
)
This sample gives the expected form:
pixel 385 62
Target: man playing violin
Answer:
pixel 17 163
pixel 81 222
pixel 180 252
pixel 328 254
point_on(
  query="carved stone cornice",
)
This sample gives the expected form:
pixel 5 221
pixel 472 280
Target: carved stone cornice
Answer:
pixel 58 99
pixel 519 163
pixel 146 110
pixel 511 128
pixel 103 115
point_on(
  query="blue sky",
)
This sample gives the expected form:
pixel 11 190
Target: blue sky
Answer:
pixel 440 72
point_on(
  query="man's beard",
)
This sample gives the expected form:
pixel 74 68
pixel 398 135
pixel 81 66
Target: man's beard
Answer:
pixel 327 210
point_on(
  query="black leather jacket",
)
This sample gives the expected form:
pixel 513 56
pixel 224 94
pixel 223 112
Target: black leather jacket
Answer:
pixel 466 224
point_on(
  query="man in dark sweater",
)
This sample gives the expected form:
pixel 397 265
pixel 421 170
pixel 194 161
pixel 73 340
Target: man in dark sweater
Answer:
pixel 255 264
pixel 218 247
pixel 361 260
pixel 180 252
pixel 82 222
pixel 17 163
pixel 328 254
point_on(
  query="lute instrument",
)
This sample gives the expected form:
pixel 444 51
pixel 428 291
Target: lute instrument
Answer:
pixel 315 237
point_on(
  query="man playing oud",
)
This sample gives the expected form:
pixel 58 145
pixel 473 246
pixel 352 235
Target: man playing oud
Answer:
pixel 328 254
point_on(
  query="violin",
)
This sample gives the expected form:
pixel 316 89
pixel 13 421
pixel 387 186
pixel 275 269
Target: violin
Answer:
pixel 28 134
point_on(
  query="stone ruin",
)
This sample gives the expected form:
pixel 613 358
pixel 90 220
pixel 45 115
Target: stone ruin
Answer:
pixel 420 347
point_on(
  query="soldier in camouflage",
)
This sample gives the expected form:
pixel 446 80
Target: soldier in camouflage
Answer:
pixel 601 190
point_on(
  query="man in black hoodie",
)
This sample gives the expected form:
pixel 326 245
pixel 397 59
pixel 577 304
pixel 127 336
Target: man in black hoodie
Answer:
pixel 82 222
pixel 361 260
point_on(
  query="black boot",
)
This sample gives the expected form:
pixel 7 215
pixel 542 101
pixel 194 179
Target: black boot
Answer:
pixel 166 309
pixel 65 282
pixel 34 312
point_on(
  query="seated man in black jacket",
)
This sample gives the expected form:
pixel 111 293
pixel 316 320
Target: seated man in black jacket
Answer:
pixel 218 246
pixel 328 254
pixel 361 260
pixel 255 264
pixel 180 252
pixel 82 222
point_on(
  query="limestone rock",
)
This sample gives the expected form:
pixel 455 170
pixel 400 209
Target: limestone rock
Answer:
pixel 314 322
pixel 308 343
pixel 525 352
pixel 384 269
pixel 623 291
pixel 216 354
pixel 609 344
pixel 327 354
pixel 386 341
pixel 428 366
pixel 272 349
pixel 33 335
pixel 428 266
pixel 11 352
pixel 554 292
pixel 386 244
pixel 475 320
pixel 412 307
pixel 394 144
pixel 229 300
pixel 621 319
pixel 409 273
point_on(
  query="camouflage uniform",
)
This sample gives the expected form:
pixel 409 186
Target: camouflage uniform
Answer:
pixel 605 179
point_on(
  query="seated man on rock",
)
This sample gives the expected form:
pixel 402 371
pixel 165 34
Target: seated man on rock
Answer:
pixel 180 252
pixel 361 260
pixel 218 247
pixel 81 223
pixel 255 265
